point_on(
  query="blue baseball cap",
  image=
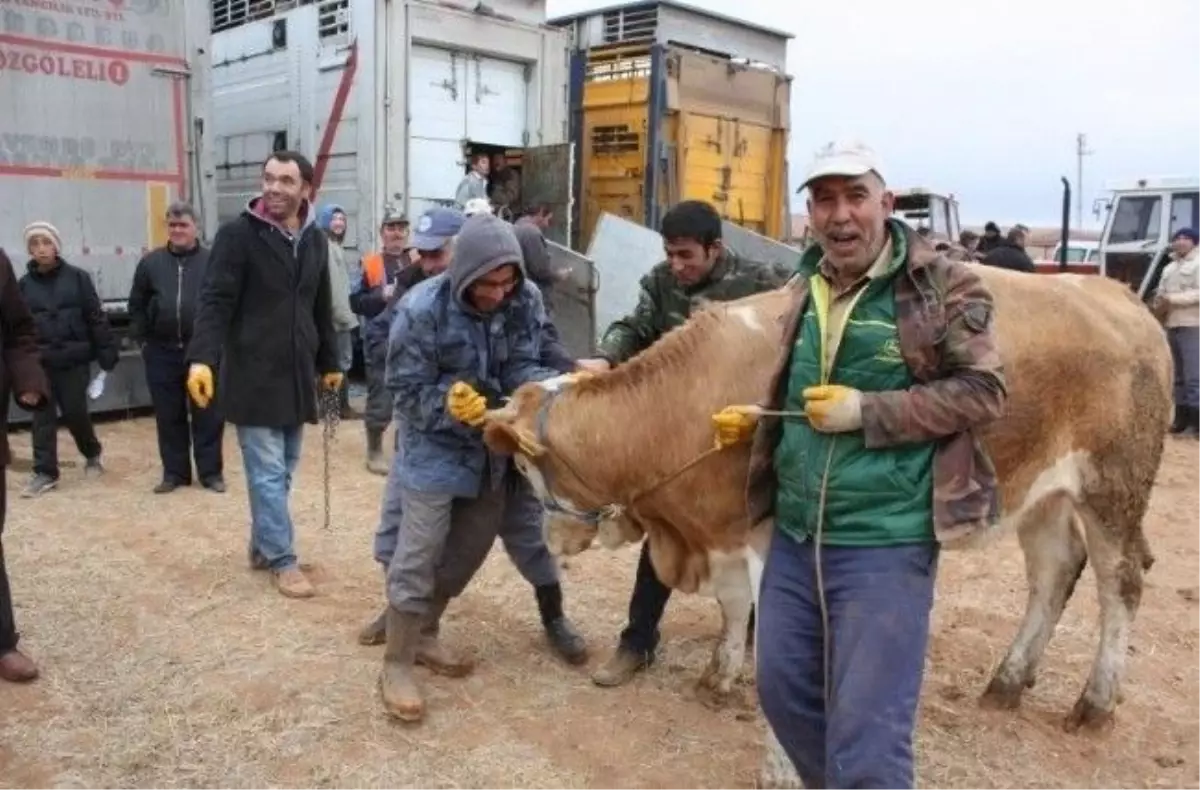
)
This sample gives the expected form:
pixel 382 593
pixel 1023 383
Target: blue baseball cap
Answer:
pixel 435 228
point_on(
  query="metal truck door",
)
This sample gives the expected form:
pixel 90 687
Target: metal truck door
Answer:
pixel 548 176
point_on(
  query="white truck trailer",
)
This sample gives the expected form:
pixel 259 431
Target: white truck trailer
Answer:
pixel 386 97
pixel 103 109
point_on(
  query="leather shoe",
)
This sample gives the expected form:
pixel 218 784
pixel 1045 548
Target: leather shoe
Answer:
pixel 16 667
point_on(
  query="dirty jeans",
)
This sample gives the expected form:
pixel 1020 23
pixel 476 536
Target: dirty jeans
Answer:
pixel 1185 353
pixel 270 456
pixel 878 601
pixel 520 528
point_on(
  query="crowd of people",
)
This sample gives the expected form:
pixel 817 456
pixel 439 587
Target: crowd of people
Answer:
pixel 454 314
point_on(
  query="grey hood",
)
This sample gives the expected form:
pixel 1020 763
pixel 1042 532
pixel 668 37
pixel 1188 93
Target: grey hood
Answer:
pixel 484 244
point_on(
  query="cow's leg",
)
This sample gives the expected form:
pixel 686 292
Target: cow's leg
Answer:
pixel 1118 562
pixel 730 577
pixel 1054 558
pixel 776 770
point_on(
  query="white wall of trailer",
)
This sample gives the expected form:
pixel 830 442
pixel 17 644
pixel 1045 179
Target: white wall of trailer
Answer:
pixel 427 77
pixel 102 123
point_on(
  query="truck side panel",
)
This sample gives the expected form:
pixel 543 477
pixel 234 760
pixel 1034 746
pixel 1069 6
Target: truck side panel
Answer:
pixel 427 78
pixel 93 130
pixel 102 117
pixel 274 83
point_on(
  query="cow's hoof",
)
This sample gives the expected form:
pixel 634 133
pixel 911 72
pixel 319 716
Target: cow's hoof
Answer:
pixel 1002 695
pixel 1089 717
pixel 712 692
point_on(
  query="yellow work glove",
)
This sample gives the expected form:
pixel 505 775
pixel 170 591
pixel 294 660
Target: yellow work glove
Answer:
pixel 734 424
pixel 200 384
pixel 832 408
pixel 332 381
pixel 466 405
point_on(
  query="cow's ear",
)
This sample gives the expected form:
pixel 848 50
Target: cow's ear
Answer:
pixel 503 438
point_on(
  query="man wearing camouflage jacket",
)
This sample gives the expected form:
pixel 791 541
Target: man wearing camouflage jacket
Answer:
pixel 889 365
pixel 697 268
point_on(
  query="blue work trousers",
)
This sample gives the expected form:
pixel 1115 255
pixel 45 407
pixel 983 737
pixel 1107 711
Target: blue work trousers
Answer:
pixel 878 601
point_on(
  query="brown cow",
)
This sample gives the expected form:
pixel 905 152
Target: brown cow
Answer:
pixel 628 452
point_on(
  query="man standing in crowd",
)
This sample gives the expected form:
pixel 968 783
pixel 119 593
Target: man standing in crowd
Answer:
pixel 1178 302
pixel 530 229
pixel 480 323
pixel 368 297
pixel 698 267
pixel 433 243
pixel 884 465
pixel 475 182
pixel 1009 253
pixel 504 187
pixel 162 306
pixel 991 238
pixel 332 220
pixel 20 373
pixel 265 313
pixel 72 332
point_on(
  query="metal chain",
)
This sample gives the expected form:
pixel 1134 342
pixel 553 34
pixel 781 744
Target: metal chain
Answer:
pixel 331 409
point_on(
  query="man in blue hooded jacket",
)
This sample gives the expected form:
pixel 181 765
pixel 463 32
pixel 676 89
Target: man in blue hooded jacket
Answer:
pixel 479 322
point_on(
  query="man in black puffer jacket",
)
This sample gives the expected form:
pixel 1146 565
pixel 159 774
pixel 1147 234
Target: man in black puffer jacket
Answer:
pixel 72 332
pixel 162 303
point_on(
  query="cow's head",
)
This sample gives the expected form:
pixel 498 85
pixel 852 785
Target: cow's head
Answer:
pixel 575 516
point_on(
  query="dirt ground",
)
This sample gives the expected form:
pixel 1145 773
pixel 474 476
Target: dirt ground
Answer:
pixel 167 662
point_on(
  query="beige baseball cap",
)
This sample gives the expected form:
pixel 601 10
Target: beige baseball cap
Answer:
pixel 849 158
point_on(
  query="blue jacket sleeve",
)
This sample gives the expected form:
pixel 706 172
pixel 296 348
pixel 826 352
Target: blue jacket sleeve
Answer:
pixel 412 375
pixel 525 362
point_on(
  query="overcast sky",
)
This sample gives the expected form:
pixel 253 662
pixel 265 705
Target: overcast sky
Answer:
pixel 984 98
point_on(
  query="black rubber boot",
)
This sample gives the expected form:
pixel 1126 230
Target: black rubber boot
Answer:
pixel 1183 418
pixel 376 464
pixel 565 640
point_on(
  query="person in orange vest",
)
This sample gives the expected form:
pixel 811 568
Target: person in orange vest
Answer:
pixel 368 298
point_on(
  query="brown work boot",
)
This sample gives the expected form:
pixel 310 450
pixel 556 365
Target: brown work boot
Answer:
pixel 621 668
pixel 16 667
pixel 397 687
pixel 435 656
pixel 294 584
pixel 374 632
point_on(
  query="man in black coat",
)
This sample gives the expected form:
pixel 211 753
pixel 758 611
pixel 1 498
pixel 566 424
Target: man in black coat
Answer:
pixel 1009 253
pixel 265 314
pixel 162 305
pixel 72 332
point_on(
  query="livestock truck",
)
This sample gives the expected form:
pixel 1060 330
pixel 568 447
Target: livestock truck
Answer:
pixel 103 109
pixel 387 99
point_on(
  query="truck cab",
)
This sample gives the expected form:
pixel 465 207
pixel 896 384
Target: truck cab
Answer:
pixel 1143 215
pixel 923 208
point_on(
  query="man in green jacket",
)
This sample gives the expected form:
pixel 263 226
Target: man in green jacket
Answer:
pixel 697 268
pixel 890 364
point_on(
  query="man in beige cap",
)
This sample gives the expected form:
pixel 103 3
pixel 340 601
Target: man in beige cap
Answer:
pixel 893 362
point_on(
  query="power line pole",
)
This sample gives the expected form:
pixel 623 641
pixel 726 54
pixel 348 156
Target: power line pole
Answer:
pixel 1081 150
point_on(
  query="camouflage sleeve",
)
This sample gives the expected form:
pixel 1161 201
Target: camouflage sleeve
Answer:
pixel 779 273
pixel 637 331
pixel 971 389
